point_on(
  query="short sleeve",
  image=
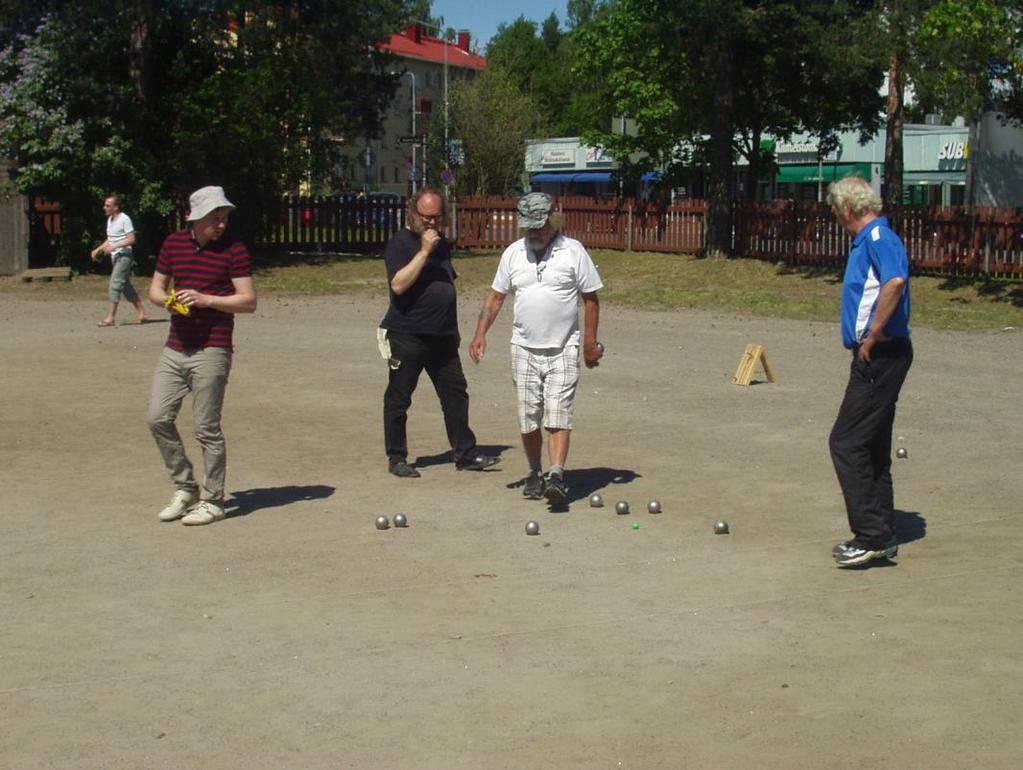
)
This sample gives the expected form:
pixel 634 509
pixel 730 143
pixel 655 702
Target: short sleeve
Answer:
pixel 589 279
pixel 888 256
pixel 164 265
pixel 241 262
pixel 502 278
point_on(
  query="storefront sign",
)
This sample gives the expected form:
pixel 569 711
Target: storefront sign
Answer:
pixel 557 157
pixel 597 155
pixel 954 151
pixel 798 148
pixel 800 152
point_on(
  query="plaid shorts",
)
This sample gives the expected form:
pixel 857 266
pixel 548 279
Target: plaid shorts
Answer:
pixel 545 382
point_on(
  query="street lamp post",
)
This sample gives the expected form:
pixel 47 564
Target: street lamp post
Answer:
pixel 440 36
pixel 413 76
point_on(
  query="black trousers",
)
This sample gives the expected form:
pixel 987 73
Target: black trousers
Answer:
pixel 438 355
pixel 861 440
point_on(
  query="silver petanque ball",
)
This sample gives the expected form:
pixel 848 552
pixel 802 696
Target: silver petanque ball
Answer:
pixel 532 528
pixel 721 528
pixel 400 520
pixel 601 348
pixel 654 506
pixel 382 522
pixel 596 501
pixel 902 454
pixel 621 508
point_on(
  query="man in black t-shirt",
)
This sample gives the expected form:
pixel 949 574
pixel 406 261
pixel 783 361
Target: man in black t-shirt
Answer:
pixel 420 331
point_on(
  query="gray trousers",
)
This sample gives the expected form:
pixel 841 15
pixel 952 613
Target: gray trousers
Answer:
pixel 120 277
pixel 204 373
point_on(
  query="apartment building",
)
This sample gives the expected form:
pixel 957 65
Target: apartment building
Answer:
pixel 395 161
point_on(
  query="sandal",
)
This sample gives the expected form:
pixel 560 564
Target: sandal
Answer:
pixel 105 322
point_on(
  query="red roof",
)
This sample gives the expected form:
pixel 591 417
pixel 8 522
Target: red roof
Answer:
pixel 413 43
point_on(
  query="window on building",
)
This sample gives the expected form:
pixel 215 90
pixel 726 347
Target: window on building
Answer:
pixel 425 106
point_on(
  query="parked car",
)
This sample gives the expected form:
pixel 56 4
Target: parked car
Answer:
pixel 378 209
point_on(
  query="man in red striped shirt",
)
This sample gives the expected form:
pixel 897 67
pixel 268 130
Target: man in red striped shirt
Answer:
pixel 209 273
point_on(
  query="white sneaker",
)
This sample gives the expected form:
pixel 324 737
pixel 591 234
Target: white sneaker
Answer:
pixel 179 505
pixel 206 512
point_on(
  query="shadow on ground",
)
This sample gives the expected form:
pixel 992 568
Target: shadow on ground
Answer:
pixel 495 450
pixel 831 274
pixel 996 291
pixel 246 501
pixel 909 526
pixel 583 482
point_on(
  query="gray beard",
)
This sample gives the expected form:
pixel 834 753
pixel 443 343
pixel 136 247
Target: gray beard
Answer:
pixel 537 245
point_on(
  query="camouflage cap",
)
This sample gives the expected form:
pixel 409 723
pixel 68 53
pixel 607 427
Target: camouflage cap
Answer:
pixel 534 209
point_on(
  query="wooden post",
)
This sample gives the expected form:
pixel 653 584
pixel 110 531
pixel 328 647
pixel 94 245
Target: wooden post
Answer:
pixel 628 228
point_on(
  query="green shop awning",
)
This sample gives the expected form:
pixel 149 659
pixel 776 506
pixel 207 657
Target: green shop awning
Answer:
pixel 829 172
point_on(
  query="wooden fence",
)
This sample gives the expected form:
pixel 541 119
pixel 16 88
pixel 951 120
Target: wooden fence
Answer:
pixel 623 224
pixel 948 240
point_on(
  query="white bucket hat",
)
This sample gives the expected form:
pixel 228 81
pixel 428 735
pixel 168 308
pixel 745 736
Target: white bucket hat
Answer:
pixel 207 199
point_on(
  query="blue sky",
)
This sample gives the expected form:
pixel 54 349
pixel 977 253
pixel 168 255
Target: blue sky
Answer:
pixel 481 17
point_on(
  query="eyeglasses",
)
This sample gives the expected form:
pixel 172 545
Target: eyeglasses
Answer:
pixel 540 267
pixel 433 217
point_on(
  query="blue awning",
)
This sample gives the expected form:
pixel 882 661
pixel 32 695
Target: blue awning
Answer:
pixel 568 177
pixel 651 176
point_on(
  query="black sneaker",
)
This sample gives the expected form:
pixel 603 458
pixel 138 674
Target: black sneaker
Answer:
pixel 891 549
pixel 854 555
pixel 403 470
pixel 555 490
pixel 534 487
pixel 476 462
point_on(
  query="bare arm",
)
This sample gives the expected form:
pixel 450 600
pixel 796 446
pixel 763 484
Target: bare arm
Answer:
pixel 107 247
pixel 128 240
pixel 405 278
pixel 242 301
pixel 158 288
pixel 492 304
pixel 891 294
pixel 591 320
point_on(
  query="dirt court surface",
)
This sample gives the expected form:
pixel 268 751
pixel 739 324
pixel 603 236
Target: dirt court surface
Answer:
pixel 296 635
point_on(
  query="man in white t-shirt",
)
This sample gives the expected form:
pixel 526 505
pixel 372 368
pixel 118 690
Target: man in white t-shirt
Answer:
pixel 547 273
pixel 119 242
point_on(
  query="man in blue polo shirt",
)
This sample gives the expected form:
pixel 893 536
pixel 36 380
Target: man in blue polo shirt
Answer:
pixel 875 327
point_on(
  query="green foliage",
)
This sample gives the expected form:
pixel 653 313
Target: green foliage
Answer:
pixel 708 78
pixel 796 66
pixel 154 99
pixel 493 116
pixel 968 56
pixel 422 11
pixel 541 60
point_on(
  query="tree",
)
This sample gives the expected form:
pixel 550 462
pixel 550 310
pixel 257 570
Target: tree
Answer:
pixel 579 13
pixel 969 57
pixel 550 32
pixel 516 50
pixel 708 78
pixel 155 99
pixel 422 10
pixel 960 57
pixel 494 118
pixel 571 100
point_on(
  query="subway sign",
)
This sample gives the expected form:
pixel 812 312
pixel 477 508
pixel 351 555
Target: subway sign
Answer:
pixel 954 151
